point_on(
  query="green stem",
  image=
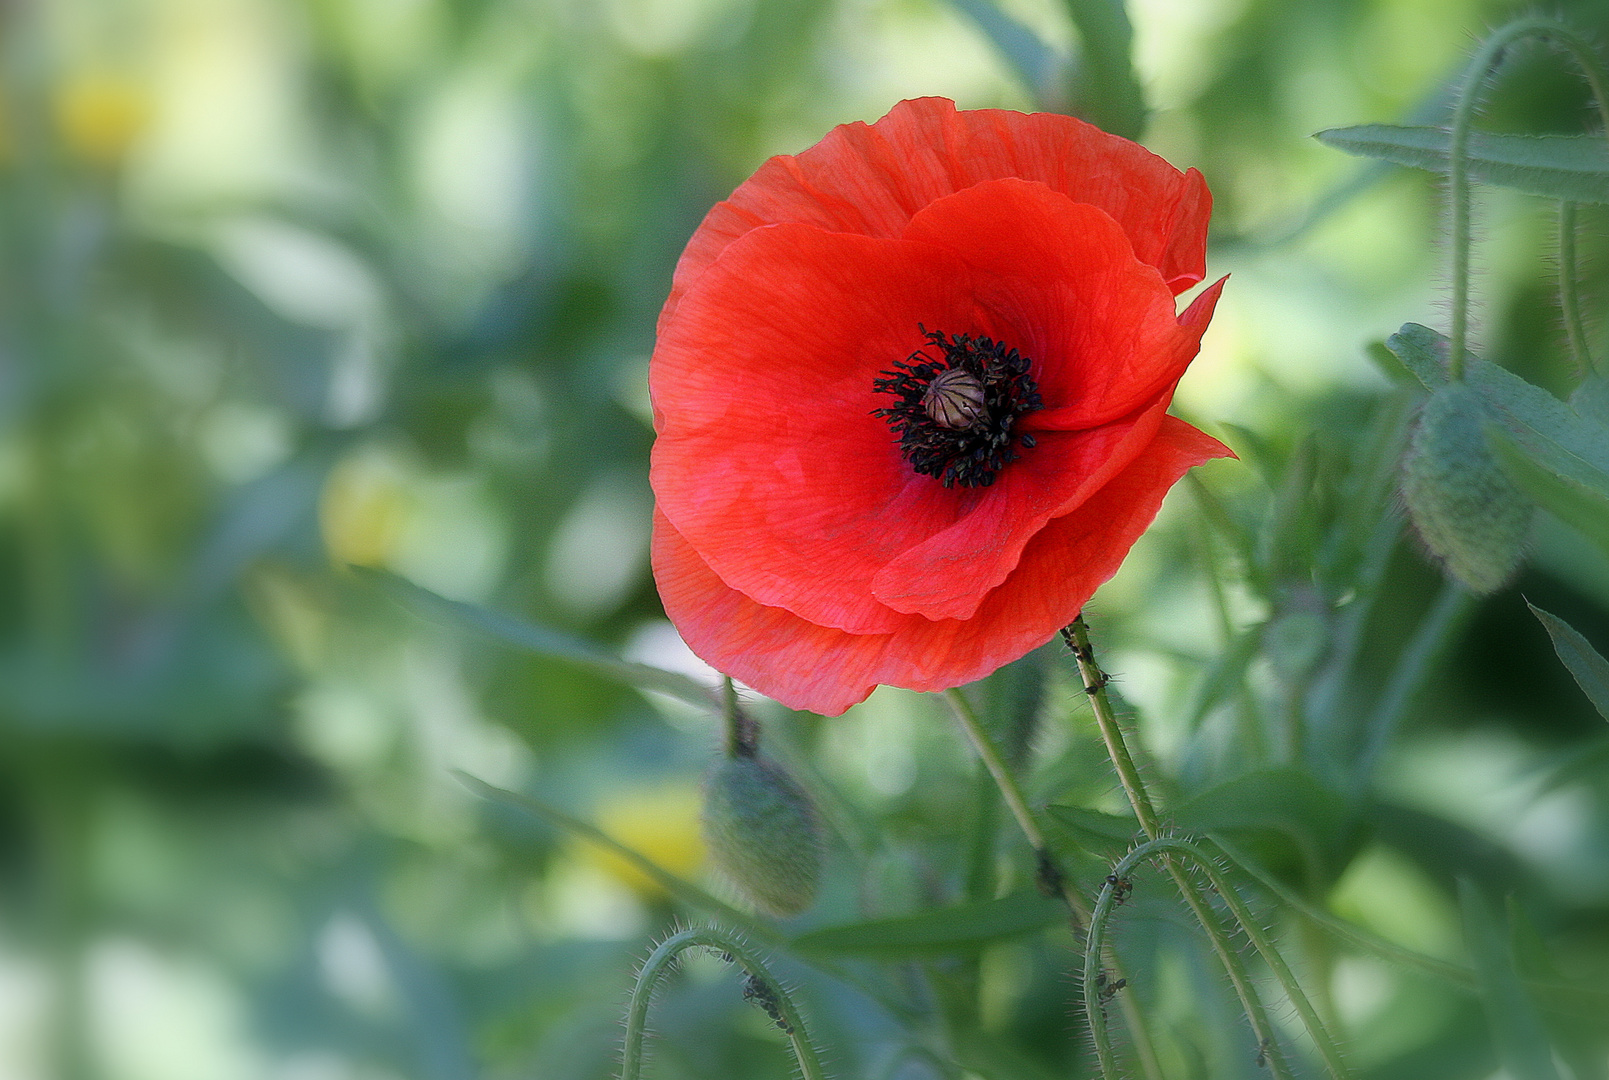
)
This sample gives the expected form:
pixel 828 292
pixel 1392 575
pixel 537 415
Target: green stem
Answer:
pixel 990 756
pixel 1435 633
pixel 1168 848
pixel 1487 59
pixel 683 890
pixel 1569 300
pixel 1077 637
pixel 1050 874
pixel 742 733
pixel 770 993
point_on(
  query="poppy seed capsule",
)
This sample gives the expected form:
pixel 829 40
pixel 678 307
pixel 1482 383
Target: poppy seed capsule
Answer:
pixel 954 399
pixel 1469 514
pixel 761 831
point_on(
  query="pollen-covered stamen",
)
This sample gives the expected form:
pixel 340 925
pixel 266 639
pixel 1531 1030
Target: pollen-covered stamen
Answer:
pixel 955 416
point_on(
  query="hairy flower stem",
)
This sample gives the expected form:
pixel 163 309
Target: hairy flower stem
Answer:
pixel 1050 874
pixel 742 733
pixel 762 987
pixel 1077 638
pixel 1486 60
pixel 1171 848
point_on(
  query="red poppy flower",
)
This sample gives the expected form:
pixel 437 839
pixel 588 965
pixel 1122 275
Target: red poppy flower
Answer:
pixel 910 391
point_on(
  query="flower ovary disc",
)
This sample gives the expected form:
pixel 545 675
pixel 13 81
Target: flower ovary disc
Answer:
pixel 955 415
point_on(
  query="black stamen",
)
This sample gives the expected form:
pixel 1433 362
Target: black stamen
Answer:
pixel 972 454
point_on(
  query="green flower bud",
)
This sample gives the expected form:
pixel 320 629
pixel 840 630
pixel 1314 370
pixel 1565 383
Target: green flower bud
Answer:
pixel 1469 514
pixel 761 830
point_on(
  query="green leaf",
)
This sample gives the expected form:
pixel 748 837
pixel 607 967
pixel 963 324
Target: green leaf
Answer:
pixel 1284 802
pixel 1571 167
pixel 1106 91
pixel 1517 1030
pixel 1588 666
pixel 1108 836
pixel 1040 67
pixel 1581 504
pixel 941 932
pixel 1422 351
pixel 538 639
pixel 1390 364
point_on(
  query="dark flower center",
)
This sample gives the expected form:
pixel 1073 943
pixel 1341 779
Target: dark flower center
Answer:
pixel 955 414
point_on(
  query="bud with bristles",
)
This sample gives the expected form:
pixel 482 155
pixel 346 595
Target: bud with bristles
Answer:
pixel 1467 511
pixel 762 832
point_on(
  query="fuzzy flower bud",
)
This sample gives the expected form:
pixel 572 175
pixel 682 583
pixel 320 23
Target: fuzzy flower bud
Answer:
pixel 761 831
pixel 1469 514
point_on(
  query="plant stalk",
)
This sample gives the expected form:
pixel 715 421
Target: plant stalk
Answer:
pixel 1485 62
pixel 1077 638
pixel 760 986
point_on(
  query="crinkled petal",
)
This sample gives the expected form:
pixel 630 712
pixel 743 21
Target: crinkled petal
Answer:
pixel 1100 324
pixel 769 460
pixel 951 573
pixel 808 666
pixel 872 179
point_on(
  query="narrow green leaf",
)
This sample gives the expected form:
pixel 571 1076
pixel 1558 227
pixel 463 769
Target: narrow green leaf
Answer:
pixel 1588 666
pixel 1286 801
pixel 1570 167
pixel 1107 836
pixel 1390 364
pixel 1225 677
pixel 1105 90
pixel 1040 67
pixel 941 932
pixel 1517 1031
pixel 538 639
pixel 1573 501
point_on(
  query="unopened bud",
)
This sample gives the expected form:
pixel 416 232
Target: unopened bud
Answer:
pixel 1469 514
pixel 761 830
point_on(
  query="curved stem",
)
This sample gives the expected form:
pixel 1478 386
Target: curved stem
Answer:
pixel 1050 875
pixel 767 990
pixel 1077 637
pixel 1171 846
pixel 1490 55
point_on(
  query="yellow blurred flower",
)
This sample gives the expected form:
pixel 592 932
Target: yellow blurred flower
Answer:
pixel 364 508
pixel 99 115
pixel 660 823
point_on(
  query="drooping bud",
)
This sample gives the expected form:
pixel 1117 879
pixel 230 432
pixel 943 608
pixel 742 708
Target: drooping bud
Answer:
pixel 954 399
pixel 762 832
pixel 1467 511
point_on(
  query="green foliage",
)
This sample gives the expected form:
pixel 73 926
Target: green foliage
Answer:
pixel 355 327
pixel 1590 670
pixel 946 931
pixel 1573 167
pixel 1517 1030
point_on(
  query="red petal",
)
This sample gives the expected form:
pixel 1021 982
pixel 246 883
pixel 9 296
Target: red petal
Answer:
pixel 807 666
pixel 950 574
pixel 871 179
pixel 768 459
pixel 1100 325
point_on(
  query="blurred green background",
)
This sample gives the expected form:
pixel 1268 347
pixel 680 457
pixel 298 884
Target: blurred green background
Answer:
pixel 292 284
